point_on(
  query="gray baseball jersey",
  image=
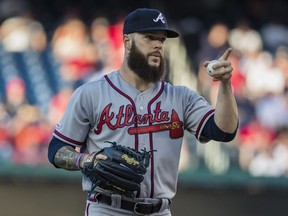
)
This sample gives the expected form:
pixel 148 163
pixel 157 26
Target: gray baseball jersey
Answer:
pixel 110 109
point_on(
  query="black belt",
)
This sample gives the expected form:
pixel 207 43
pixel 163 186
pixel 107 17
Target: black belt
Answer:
pixel 140 208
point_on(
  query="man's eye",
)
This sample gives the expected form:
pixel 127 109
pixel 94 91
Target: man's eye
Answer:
pixel 151 37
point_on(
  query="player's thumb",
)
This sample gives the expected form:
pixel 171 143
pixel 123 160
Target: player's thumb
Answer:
pixel 101 157
pixel 226 54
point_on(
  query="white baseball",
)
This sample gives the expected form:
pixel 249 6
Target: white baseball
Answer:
pixel 210 68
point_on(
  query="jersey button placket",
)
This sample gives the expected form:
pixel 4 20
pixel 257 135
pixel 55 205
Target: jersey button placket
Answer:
pixel 141 111
pixel 141 107
pixel 143 143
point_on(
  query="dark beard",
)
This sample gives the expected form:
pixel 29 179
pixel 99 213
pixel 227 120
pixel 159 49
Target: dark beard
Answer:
pixel 138 63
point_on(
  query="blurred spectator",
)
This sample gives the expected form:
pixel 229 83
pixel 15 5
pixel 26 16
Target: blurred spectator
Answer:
pixel 281 62
pixel 273 160
pixel 264 163
pixel 22 33
pixel 58 105
pixel 31 136
pixel 22 128
pixel 274 34
pixel 253 138
pixel 6 149
pixel 257 65
pixel 214 43
pixel 261 77
pixel 116 31
pixel 72 48
pixel 101 39
pixel 281 149
pixel 107 40
pixel 272 111
pixel 245 40
pixel 15 95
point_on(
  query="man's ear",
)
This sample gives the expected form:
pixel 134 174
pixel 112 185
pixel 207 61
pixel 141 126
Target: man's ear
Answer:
pixel 127 41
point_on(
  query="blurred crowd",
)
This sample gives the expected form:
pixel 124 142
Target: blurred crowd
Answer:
pixel 39 72
pixel 260 85
pixel 30 106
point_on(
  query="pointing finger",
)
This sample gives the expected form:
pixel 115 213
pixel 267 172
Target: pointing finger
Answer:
pixel 226 54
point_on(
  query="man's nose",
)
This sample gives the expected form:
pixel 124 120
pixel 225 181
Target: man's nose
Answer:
pixel 158 44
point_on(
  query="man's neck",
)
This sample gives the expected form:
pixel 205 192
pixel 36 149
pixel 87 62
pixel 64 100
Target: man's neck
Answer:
pixel 133 79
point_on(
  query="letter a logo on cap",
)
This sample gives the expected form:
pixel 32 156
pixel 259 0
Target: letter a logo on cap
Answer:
pixel 160 17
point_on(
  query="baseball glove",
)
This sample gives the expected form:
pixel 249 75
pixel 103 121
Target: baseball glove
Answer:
pixel 121 173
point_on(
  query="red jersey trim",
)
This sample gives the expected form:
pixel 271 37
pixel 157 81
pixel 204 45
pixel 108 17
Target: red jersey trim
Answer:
pixel 67 138
pixel 202 121
pixel 132 103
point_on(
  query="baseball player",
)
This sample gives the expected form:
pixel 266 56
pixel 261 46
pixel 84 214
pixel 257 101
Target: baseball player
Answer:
pixel 136 108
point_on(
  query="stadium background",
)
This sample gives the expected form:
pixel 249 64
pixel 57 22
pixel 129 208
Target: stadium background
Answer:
pixel 49 48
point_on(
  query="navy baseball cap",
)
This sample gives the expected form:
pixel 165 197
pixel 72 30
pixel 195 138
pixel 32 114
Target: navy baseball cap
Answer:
pixel 144 19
